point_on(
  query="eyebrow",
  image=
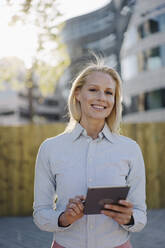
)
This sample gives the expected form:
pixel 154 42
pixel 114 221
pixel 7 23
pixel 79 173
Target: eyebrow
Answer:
pixel 98 86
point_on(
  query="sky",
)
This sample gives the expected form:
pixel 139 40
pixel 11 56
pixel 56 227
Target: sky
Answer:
pixel 21 41
pixel 72 8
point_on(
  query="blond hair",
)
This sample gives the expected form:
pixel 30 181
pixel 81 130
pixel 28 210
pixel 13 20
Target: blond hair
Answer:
pixel 114 119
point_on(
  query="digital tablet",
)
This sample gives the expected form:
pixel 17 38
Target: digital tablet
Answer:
pixel 98 196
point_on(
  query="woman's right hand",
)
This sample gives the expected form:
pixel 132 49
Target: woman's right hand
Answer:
pixel 73 212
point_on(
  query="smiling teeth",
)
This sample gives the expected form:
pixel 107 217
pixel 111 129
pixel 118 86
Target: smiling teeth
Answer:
pixel 99 107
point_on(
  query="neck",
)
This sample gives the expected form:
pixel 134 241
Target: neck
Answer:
pixel 93 127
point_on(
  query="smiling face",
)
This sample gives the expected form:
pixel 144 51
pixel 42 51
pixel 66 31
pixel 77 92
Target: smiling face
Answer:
pixel 96 96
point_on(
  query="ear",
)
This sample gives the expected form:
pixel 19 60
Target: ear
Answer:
pixel 77 94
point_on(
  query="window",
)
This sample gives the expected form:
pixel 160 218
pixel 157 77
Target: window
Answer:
pixel 155 99
pixel 146 101
pixel 151 26
pixel 153 58
pixel 51 102
pixel 150 59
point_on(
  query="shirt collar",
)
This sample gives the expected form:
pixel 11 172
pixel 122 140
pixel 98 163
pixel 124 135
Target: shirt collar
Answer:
pixel 108 134
pixel 79 130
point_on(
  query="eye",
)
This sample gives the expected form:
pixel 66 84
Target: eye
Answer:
pixel 109 93
pixel 92 89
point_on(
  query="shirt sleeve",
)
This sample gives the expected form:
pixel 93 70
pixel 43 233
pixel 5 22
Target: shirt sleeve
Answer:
pixel 137 194
pixel 45 215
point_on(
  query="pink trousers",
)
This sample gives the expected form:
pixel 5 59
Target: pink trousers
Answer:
pixel 125 245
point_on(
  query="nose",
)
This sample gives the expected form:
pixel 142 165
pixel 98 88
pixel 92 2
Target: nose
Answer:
pixel 101 96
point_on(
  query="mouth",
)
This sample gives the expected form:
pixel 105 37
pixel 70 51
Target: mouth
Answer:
pixel 98 107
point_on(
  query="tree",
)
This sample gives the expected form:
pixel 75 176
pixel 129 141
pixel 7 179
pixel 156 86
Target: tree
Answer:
pixel 51 57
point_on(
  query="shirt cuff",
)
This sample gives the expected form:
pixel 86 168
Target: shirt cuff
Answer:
pixel 137 226
pixel 131 223
pixel 47 220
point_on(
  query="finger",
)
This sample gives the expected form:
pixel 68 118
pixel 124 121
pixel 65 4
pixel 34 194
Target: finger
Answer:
pixel 74 207
pixel 78 202
pixel 81 200
pixel 123 218
pixel 81 197
pixel 112 214
pixel 71 212
pixel 109 213
pixel 118 208
pixel 126 203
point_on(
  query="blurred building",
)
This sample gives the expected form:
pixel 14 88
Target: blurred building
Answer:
pixel 39 108
pixel 9 104
pixel 100 31
pixel 143 63
pixel 12 74
pixel 18 103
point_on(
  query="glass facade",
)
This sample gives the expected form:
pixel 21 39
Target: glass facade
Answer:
pixel 145 58
pixel 155 99
pixel 94 25
pixel 106 42
pixel 150 59
pixel 151 26
pixel 146 101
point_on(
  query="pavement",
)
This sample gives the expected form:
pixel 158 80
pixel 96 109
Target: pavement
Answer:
pixel 21 232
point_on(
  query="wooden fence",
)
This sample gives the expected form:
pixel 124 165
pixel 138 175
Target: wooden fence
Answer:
pixel 19 146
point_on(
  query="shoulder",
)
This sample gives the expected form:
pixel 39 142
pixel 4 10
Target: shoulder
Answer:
pixel 126 141
pixel 132 149
pixel 56 141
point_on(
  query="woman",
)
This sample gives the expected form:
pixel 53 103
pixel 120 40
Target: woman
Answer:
pixel 90 153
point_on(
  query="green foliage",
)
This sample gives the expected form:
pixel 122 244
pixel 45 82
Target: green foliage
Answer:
pixel 51 56
pixel 12 72
pixel 40 13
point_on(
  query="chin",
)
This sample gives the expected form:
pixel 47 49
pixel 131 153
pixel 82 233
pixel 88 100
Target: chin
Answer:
pixel 98 117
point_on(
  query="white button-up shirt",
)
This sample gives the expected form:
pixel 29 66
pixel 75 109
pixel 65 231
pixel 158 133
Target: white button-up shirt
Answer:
pixel 67 165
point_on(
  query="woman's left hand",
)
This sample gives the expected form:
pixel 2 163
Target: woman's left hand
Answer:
pixel 124 214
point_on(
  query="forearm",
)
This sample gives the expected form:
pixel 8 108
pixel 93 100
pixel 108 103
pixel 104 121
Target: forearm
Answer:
pixel 47 219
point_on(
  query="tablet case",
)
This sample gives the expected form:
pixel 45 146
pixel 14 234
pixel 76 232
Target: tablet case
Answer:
pixel 98 196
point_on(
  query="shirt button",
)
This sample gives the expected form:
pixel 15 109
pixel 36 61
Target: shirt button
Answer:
pixel 91 226
pixel 90 179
